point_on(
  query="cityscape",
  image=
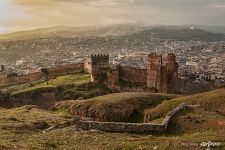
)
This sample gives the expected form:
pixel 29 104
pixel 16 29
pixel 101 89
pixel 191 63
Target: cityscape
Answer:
pixel 199 58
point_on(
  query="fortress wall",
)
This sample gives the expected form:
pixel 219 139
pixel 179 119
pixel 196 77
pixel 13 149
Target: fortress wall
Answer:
pixel 65 69
pixel 133 74
pixel 21 78
pixel 132 127
pixel 113 76
pixel 54 71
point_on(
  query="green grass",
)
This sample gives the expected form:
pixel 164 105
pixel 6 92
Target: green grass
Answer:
pixel 123 107
pixel 77 79
pixel 212 101
pixel 66 87
pixel 121 97
pixel 187 130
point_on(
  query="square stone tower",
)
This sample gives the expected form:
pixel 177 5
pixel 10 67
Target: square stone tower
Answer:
pixel 156 73
pixel 98 64
pixel 171 71
pixel 159 77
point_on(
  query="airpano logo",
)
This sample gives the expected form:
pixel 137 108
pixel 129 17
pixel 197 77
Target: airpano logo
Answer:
pixel 210 144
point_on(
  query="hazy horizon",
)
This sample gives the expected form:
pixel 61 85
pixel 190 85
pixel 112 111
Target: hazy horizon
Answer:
pixel 19 15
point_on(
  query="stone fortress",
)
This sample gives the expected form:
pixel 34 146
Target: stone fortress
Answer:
pixel 157 76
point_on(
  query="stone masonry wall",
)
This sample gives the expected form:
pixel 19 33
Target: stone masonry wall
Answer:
pixel 65 69
pixel 132 127
pixel 133 74
pixel 54 71
pixel 122 127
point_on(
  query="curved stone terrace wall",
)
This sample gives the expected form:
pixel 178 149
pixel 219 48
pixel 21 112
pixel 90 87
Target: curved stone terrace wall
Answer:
pixel 132 127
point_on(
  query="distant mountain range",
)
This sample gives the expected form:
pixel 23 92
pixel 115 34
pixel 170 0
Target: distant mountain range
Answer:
pixel 181 33
pixel 166 32
pixel 72 32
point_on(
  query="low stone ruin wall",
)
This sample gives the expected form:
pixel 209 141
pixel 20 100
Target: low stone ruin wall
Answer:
pixel 132 127
pixel 169 116
pixel 122 127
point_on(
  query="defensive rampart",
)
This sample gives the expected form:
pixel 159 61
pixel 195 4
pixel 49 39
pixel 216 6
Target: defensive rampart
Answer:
pixel 133 74
pixel 54 71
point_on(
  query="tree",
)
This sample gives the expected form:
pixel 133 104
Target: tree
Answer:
pixel 46 73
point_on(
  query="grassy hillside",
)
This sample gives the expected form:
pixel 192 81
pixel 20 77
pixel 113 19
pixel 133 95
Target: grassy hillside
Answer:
pixel 170 32
pixel 27 128
pixel 181 33
pixel 209 101
pixel 65 87
pixel 78 79
pixel 125 107
pixel 213 29
pixel 72 32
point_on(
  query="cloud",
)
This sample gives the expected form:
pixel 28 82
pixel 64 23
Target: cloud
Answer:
pixel 43 13
pixel 67 12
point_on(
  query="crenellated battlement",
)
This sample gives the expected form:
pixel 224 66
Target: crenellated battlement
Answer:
pixel 102 58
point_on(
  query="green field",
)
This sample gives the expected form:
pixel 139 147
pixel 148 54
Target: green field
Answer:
pixel 78 79
pixel 211 101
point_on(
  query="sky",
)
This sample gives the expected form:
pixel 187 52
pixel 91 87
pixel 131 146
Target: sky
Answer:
pixel 18 15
